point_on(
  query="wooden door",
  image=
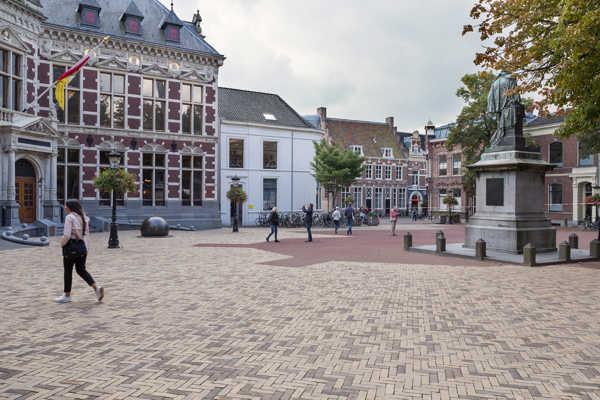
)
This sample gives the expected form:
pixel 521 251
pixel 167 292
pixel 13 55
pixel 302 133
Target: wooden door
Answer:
pixel 25 196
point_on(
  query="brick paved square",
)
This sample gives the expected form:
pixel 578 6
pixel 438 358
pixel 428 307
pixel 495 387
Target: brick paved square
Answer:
pixel 182 321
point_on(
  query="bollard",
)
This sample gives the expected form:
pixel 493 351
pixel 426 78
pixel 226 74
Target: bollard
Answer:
pixel 480 249
pixel 529 255
pixel 440 244
pixel 407 241
pixel 564 252
pixel 574 241
pixel 595 249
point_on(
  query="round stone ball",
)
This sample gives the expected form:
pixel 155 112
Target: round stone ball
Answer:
pixel 155 227
pixel 25 237
pixel 43 239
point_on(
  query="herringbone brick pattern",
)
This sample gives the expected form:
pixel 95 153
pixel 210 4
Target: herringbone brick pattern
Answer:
pixel 185 322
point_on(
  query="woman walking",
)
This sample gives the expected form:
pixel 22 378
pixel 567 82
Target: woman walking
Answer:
pixel 308 217
pixel 75 246
pixel 337 215
pixel 394 219
pixel 274 221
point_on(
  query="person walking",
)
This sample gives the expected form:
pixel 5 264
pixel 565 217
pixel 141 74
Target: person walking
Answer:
pixel 308 218
pixel 414 215
pixel 349 213
pixel 337 215
pixel 394 219
pixel 75 244
pixel 274 221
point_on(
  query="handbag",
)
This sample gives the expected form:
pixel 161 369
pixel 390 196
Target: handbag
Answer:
pixel 74 248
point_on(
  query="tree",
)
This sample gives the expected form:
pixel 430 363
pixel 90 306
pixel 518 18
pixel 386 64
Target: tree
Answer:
pixel 474 126
pixel 553 48
pixel 334 167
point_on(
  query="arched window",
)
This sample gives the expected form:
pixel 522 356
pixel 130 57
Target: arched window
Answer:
pixel 556 154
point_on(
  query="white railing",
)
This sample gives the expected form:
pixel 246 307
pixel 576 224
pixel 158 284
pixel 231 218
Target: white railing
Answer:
pixel 6 116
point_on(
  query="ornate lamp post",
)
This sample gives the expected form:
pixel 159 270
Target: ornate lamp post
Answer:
pixel 236 183
pixel 113 242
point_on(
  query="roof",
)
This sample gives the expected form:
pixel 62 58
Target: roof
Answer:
pixel 132 10
pixel 540 121
pixel 170 18
pixel 88 3
pixel 250 107
pixel 372 136
pixel 314 120
pixel 63 13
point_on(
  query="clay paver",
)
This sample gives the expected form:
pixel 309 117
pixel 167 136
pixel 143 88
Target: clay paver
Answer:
pixel 182 321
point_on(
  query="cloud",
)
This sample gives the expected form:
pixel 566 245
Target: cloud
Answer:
pixel 362 60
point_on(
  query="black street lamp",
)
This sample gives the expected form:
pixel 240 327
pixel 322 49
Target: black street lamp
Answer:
pixel 236 184
pixel 113 241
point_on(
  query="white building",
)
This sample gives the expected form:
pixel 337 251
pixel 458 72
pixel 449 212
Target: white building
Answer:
pixel 266 144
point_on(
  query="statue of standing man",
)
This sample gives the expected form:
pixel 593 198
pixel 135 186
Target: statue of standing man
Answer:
pixel 506 107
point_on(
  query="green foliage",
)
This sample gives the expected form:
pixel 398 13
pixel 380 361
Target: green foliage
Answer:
pixel 334 167
pixel 348 200
pixel 115 179
pixel 237 193
pixel 474 126
pixel 450 201
pixel 553 49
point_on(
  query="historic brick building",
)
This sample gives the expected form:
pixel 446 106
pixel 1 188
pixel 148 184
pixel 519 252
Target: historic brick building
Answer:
pixel 394 177
pixel 150 92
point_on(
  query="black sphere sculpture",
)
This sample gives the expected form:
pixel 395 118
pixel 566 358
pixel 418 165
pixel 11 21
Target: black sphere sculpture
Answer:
pixel 155 227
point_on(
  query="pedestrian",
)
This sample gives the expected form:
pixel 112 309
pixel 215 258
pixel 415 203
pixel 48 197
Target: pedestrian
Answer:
pixel 337 215
pixel 414 215
pixel 349 213
pixel 75 244
pixel 394 219
pixel 274 222
pixel 308 218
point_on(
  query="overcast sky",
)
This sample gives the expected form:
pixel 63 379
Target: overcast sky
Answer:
pixel 362 60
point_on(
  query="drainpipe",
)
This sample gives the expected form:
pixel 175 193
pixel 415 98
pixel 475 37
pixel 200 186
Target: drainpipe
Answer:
pixel 292 176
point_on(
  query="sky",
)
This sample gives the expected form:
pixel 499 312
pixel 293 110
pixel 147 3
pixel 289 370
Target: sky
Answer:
pixel 363 60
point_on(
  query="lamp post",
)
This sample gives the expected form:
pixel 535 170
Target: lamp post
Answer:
pixel 113 241
pixel 429 132
pixel 236 183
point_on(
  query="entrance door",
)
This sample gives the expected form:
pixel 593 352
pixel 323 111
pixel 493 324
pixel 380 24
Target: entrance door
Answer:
pixel 25 188
pixel 25 196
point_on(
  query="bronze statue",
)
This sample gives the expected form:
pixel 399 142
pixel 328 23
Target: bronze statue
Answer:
pixel 507 107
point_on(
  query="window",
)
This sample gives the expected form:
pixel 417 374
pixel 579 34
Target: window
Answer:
pixel 388 172
pixel 401 198
pixel 89 16
pixel 555 194
pixel 191 180
pixel 345 194
pixel 357 149
pixel 153 179
pixel 270 155
pixel 172 33
pixel 68 174
pixel 379 198
pixel 155 93
pixel 357 195
pixel 236 153
pixel 191 109
pixel 369 172
pixel 398 172
pixel 442 166
pixel 456 164
pixel 269 117
pixel 442 196
pixel 369 198
pixel 133 25
pixel 112 100
pixel 587 161
pixel 269 193
pixel 378 172
pixel 387 152
pixel 556 154
pixel 72 98
pixel 11 82
pixel 415 178
pixel 106 197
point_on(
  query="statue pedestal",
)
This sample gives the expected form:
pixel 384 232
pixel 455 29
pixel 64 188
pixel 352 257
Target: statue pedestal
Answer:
pixel 510 201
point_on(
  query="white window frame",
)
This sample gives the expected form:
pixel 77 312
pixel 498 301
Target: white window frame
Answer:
pixel 387 171
pixel 378 172
pixel 354 148
pixel 11 78
pixel 154 98
pixel 398 172
pixel 369 171
pixel 229 139
pixel 387 153
pixel 192 103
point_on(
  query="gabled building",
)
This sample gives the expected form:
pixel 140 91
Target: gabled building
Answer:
pixel 150 92
pixel 268 147
pixel 392 178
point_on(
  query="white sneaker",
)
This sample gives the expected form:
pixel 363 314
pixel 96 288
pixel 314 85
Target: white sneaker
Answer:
pixel 99 293
pixel 64 299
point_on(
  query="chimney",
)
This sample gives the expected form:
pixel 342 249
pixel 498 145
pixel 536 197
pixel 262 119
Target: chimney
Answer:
pixel 322 111
pixel 390 121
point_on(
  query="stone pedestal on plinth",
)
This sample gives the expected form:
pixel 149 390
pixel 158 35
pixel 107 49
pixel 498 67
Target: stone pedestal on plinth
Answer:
pixel 510 199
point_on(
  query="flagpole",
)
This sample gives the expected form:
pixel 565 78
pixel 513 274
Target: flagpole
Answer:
pixel 34 103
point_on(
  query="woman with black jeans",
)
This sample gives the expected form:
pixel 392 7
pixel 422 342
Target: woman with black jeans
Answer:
pixel 274 221
pixel 308 218
pixel 77 227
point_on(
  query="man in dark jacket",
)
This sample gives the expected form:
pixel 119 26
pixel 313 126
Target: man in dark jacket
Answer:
pixel 349 213
pixel 274 221
pixel 308 218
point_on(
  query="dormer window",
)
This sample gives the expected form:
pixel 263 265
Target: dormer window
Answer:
pixel 132 19
pixel 269 117
pixel 387 152
pixel 171 26
pixel 89 11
